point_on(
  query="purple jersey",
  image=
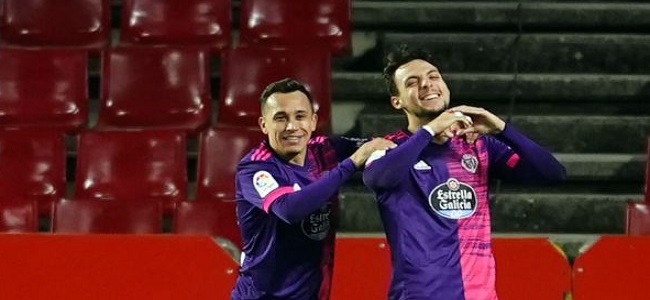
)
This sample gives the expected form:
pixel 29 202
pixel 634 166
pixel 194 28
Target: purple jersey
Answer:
pixel 433 200
pixel 284 213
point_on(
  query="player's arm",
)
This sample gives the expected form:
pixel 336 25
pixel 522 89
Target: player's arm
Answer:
pixel 346 146
pixel 270 191
pixel 387 168
pixel 518 158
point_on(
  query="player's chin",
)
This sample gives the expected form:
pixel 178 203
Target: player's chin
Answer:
pixel 294 146
pixel 437 106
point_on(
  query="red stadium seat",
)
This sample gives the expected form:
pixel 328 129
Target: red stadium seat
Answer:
pixel 159 87
pixel 637 219
pixel 133 165
pixel 246 71
pixel 32 166
pixel 46 87
pixel 220 150
pixel 323 23
pixel 206 217
pixel 18 216
pixel 106 216
pixel 71 23
pixel 189 22
pixel 647 174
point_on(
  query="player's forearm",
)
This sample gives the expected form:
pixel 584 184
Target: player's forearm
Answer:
pixel 390 169
pixel 294 207
pixel 536 163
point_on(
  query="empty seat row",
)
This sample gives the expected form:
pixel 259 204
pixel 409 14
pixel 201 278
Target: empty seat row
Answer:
pixel 86 23
pixel 121 165
pixel 152 87
pixel 113 216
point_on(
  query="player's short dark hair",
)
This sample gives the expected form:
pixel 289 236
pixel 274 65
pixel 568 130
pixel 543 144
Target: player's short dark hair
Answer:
pixel 285 86
pixel 402 54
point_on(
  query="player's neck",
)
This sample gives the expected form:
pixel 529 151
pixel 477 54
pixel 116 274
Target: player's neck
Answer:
pixel 298 159
pixel 416 123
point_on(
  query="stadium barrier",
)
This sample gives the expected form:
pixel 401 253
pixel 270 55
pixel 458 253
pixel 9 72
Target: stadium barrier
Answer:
pixel 53 266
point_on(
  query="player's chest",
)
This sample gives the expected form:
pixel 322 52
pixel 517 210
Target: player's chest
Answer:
pixel 452 182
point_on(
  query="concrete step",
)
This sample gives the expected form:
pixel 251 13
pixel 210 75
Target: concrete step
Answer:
pixel 583 134
pixel 531 52
pixel 529 213
pixel 436 16
pixel 579 93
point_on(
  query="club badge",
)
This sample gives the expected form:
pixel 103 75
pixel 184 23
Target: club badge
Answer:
pixel 469 162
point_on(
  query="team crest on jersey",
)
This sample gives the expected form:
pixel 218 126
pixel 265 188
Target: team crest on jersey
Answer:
pixel 264 183
pixel 317 224
pixel 453 199
pixel 469 162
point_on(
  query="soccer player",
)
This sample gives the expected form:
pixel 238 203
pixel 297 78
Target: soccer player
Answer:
pixel 432 189
pixel 286 190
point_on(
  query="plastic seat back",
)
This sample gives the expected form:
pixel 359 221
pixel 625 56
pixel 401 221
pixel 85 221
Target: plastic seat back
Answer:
pixel 71 23
pixel 18 216
pixel 44 87
pixel 155 87
pixel 32 166
pixel 132 165
pixel 246 71
pixel 286 23
pixel 220 150
pixel 206 217
pixel 189 22
pixel 107 216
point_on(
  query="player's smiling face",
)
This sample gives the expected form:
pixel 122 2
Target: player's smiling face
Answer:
pixel 288 120
pixel 422 91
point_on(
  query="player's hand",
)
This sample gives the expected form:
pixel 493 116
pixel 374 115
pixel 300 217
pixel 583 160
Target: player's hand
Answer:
pixel 449 123
pixel 360 156
pixel 483 121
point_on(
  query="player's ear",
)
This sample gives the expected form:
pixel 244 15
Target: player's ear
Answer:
pixel 262 124
pixel 314 121
pixel 396 102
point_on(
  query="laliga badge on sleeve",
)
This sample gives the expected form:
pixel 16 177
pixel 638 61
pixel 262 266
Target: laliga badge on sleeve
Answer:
pixel 264 183
pixel 469 162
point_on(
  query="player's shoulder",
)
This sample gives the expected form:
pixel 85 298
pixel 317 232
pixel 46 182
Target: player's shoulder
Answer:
pixel 397 137
pixel 318 140
pixel 259 153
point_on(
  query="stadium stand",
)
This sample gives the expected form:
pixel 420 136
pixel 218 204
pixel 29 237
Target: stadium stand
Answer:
pixel 132 165
pixel 155 87
pixel 195 23
pixel 36 23
pixel 84 216
pixel 220 149
pixel 44 87
pixel 573 76
pixel 282 23
pixel 32 166
pixel 246 71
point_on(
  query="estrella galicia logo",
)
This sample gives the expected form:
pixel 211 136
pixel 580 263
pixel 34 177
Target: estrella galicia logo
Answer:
pixel 316 226
pixel 453 199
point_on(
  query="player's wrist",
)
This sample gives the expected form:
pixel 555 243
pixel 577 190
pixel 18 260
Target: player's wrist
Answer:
pixel 429 129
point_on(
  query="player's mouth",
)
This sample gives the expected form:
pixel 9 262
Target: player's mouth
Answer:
pixel 431 97
pixel 292 138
